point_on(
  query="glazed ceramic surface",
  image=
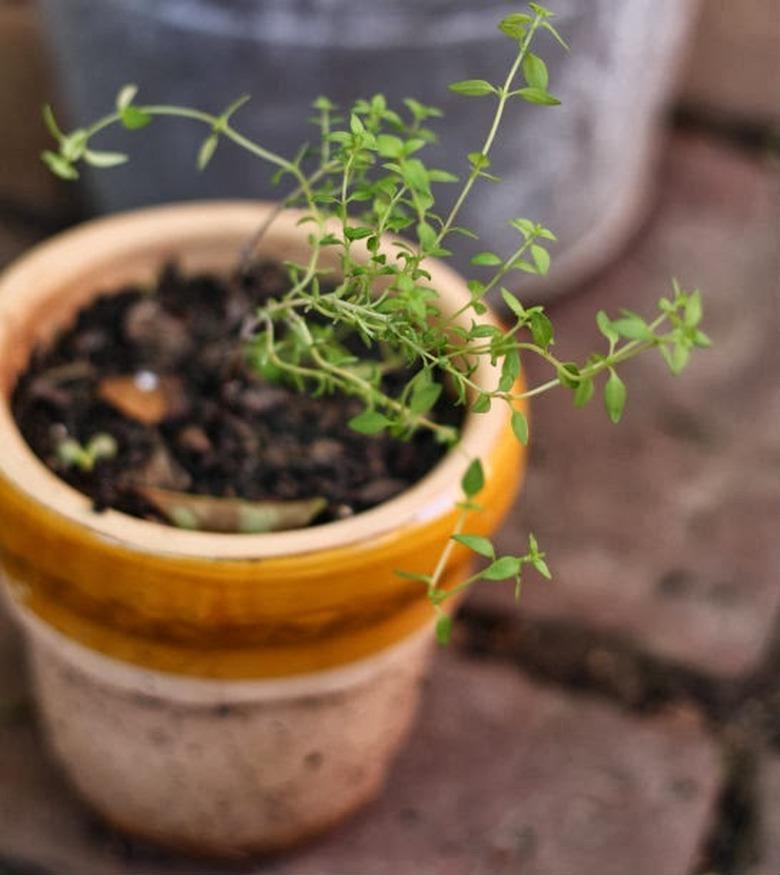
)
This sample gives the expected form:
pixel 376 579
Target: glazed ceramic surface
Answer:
pixel 209 605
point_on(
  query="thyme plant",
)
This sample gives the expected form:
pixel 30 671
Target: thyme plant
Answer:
pixel 363 178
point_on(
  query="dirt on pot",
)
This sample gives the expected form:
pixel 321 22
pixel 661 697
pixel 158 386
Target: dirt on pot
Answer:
pixel 161 373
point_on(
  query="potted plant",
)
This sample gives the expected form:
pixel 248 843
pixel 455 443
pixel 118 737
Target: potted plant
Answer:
pixel 212 684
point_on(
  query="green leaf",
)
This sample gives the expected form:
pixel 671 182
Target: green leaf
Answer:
pixel 525 226
pixel 538 96
pixel 206 151
pixel 424 396
pixel 676 357
pixel 324 104
pixel 541 11
pixel 541 329
pixel 535 72
pixel 484 330
pixel 357 233
pixel 477 543
pixel 474 479
pixel 134 119
pixel 550 29
pixel 693 309
pixel 356 125
pixel 541 566
pixel 102 446
pixel 520 426
pixel 482 404
pixel 478 160
pixel 446 176
pixel 415 175
pixel 70 452
pixel 125 96
pixel 444 629
pixel 513 303
pixel 502 569
pixel 369 422
pixel 541 258
pixel 472 87
pixel 510 370
pixel 614 396
pixel 420 111
pixel 486 258
pixel 389 146
pixel 583 393
pixel 606 327
pixel 414 145
pixel 701 340
pixel 51 123
pixel 515 25
pixel 568 373
pixel 72 147
pixel 105 159
pixel 426 235
pixel 632 327
pixel 59 166
pixel 230 110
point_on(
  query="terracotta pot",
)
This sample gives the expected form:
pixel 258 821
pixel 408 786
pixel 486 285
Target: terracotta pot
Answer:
pixel 219 693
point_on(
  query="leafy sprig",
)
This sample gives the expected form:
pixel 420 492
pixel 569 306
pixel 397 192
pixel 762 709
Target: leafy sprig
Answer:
pixel 101 446
pixel 365 178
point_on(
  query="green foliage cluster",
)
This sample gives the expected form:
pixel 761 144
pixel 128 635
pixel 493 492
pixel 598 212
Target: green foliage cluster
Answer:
pixel 363 178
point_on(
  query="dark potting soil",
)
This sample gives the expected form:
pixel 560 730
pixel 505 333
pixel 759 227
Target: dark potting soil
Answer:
pixel 224 431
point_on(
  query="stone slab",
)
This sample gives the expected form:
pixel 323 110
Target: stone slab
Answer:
pixel 13 241
pixel 664 529
pixel 500 776
pixel 769 815
pixel 734 64
pixel 25 85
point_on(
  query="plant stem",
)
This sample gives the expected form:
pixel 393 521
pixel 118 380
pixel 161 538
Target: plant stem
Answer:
pixel 503 96
pixel 446 552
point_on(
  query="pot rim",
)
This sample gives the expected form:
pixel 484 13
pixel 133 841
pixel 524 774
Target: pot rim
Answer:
pixel 30 281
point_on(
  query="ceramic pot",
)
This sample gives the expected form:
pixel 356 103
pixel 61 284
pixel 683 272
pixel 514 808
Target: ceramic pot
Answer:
pixel 218 693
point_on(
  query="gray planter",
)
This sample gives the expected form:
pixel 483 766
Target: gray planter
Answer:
pixel 580 168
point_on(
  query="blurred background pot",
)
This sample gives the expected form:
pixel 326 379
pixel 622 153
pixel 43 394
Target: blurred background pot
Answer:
pixel 218 693
pixel 582 169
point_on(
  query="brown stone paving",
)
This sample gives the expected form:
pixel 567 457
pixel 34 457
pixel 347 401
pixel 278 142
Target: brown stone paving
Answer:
pixel 734 62
pixel 769 818
pixel 662 531
pixel 13 241
pixel 665 530
pixel 25 85
pixel 501 776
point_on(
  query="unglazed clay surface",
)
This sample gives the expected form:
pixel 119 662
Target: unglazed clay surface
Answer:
pixel 223 767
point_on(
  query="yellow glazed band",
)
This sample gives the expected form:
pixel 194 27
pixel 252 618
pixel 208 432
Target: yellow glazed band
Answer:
pixel 254 606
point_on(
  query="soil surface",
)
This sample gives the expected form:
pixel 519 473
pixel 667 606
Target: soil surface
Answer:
pixel 162 371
